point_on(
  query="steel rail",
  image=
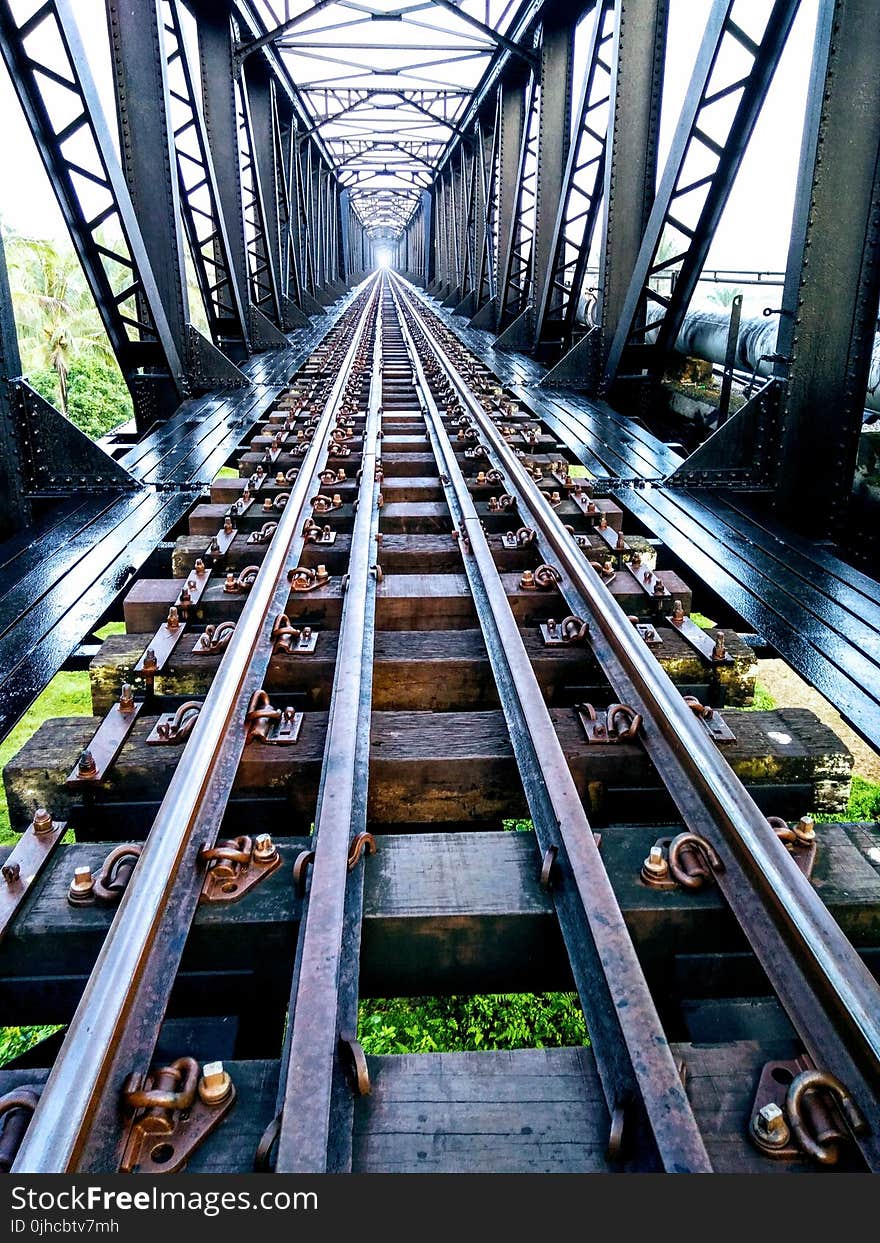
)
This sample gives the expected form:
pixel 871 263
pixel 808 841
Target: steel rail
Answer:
pixel 634 1060
pixel 323 1000
pixel 77 1124
pixel 828 993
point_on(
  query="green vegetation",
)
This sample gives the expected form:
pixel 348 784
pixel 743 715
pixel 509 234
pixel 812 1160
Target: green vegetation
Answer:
pixel 64 350
pixel 67 694
pixel 701 620
pixel 863 805
pixel 17 1040
pixel 458 1024
pixel 763 701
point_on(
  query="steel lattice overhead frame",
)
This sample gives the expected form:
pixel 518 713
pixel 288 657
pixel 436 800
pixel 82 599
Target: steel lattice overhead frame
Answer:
pixel 387 86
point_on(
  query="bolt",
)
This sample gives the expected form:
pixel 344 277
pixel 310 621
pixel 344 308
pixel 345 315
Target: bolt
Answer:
pixel 805 827
pixel 770 1126
pixel 86 766
pixel 82 887
pixel 655 866
pixel 215 1084
pixel 719 651
pixel 173 619
pixel 126 698
pixel 42 821
pixel 151 660
pixel 264 848
pixel 677 613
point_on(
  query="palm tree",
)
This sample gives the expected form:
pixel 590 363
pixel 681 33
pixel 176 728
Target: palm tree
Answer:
pixel 56 318
pixel 723 295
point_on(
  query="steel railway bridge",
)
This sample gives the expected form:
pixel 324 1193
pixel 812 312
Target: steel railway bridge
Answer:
pixel 410 534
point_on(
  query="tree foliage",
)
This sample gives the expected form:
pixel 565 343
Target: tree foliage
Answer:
pixel 64 350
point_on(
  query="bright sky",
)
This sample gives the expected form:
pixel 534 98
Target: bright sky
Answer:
pixel 753 233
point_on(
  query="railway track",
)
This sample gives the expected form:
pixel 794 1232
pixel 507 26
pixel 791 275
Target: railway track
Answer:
pixel 406 620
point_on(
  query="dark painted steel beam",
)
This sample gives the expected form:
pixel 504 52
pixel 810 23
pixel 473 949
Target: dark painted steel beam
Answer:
pixel 832 285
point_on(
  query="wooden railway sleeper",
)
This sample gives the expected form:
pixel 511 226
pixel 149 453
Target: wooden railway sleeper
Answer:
pixel 174 1109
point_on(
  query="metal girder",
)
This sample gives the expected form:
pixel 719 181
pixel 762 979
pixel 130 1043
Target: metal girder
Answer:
pixel 484 287
pixel 283 140
pixel 516 275
pixel 646 310
pixel 260 223
pixel 105 233
pixel 15 511
pixel 832 285
pixel 142 107
pixel 199 198
pixel 561 287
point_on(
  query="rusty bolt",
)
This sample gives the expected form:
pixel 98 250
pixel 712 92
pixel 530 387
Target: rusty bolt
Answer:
pixel 655 866
pixel 719 651
pixel 279 479
pixel 551 625
pixel 805 827
pixel 82 887
pixel 215 1084
pixel 227 525
pixel 42 821
pixel 151 660
pixel 126 698
pixel 264 848
pixel 267 504
pixel 770 1126
pixel 173 619
pixel 677 613
pixel 86 766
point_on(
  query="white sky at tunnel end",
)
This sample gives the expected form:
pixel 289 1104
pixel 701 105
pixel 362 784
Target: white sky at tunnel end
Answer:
pixel 753 233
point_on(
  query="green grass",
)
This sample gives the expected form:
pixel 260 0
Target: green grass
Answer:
pixel 227 472
pixel 67 694
pixel 701 620
pixel 863 805
pixel 461 1024
pixel 763 701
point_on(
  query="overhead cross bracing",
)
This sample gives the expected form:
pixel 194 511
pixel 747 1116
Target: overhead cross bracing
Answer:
pixel 387 85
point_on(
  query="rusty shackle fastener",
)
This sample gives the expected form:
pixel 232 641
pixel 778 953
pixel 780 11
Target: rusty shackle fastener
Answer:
pixel 20 1103
pixel 284 634
pixel 574 629
pixel 605 570
pixel 216 638
pixel 824 1153
pixel 264 535
pixel 704 860
pixel 305 578
pixel 364 843
pixel 116 870
pixel 182 723
pixel 171 1087
pixel 243 583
